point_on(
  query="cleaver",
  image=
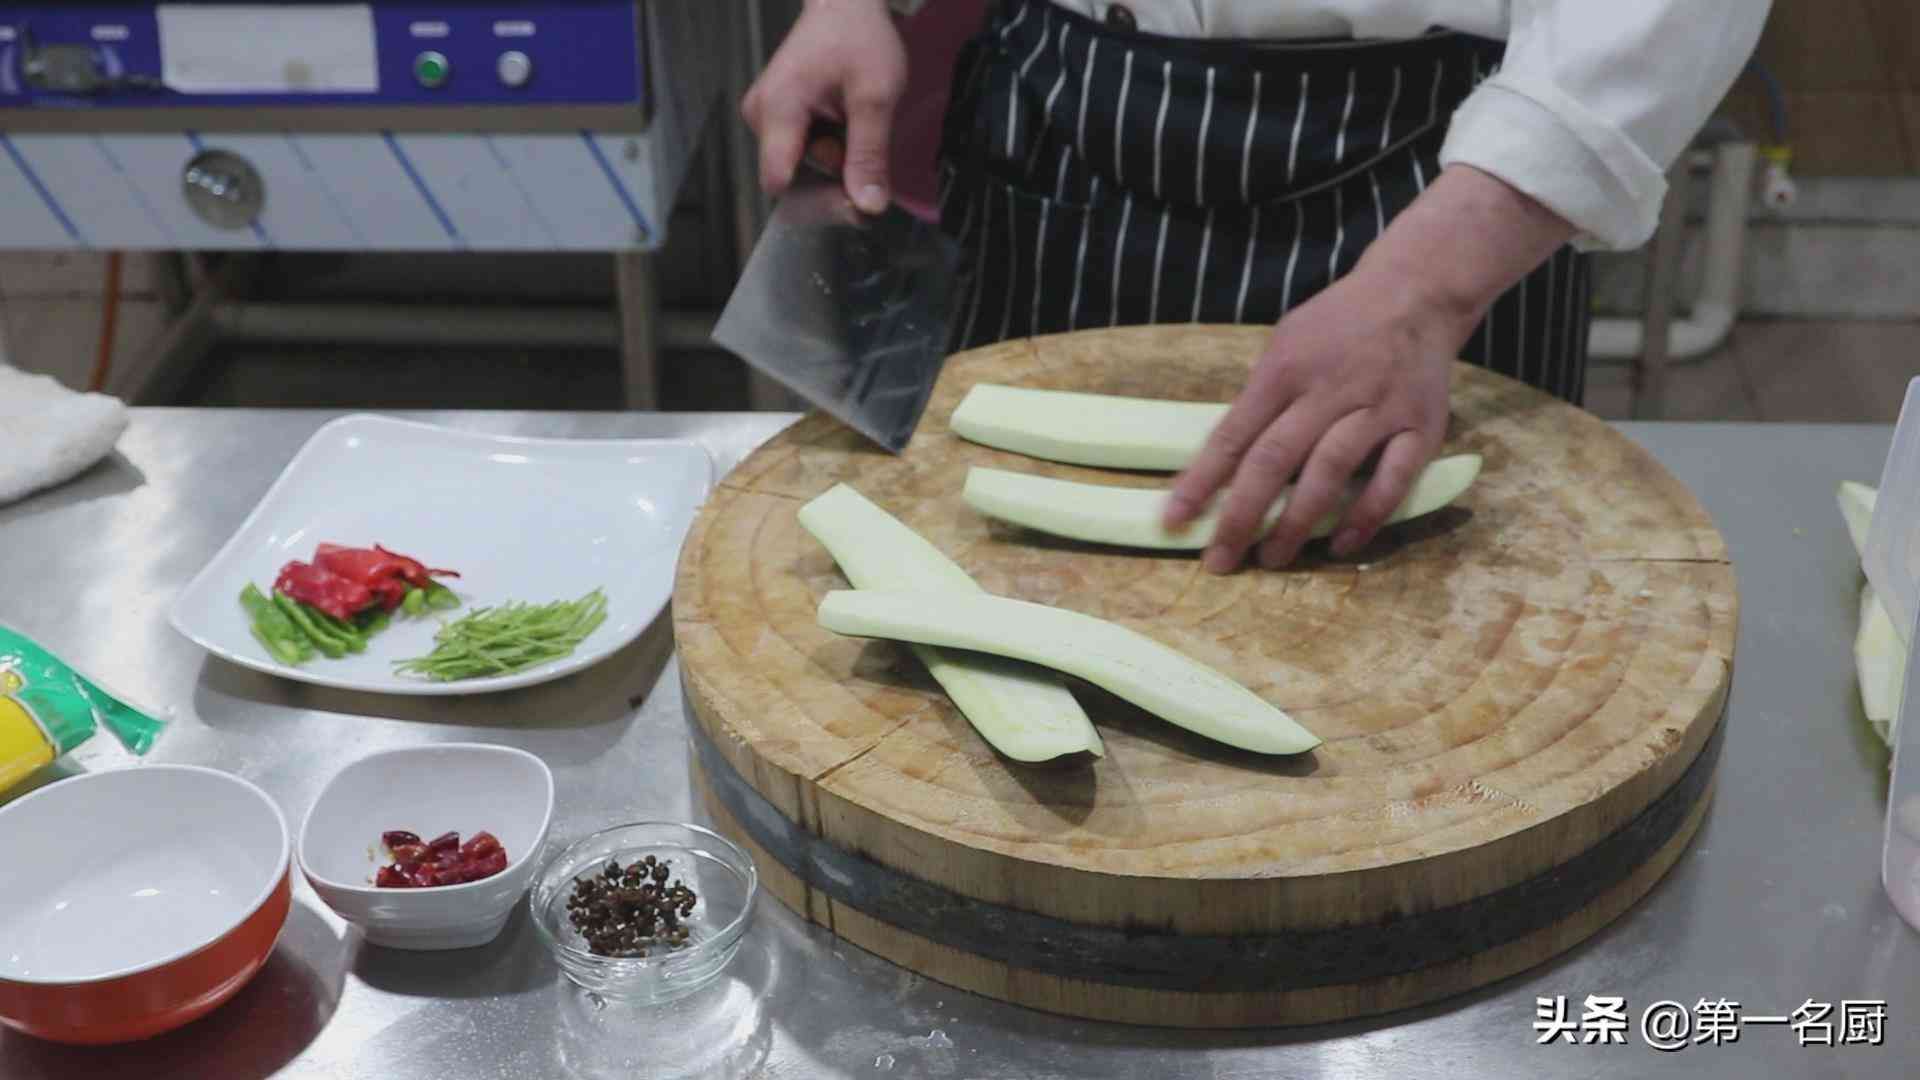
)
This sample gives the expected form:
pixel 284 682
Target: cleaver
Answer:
pixel 853 312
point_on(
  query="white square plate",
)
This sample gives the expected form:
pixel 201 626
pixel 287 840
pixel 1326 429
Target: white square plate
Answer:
pixel 532 520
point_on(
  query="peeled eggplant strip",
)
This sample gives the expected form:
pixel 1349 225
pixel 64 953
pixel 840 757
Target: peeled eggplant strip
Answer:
pixel 1130 517
pixel 1086 429
pixel 1025 712
pixel 1122 661
pixel 1879 647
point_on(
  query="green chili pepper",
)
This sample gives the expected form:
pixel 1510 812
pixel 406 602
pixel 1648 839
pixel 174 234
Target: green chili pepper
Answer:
pixel 323 638
pixel 273 629
pixel 354 637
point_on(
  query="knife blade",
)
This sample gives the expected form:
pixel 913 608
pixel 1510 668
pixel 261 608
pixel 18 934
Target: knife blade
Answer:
pixel 853 312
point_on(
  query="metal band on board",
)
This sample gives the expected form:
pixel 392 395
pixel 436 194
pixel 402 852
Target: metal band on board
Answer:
pixel 1155 959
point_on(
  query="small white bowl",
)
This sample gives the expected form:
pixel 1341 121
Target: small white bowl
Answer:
pixel 429 790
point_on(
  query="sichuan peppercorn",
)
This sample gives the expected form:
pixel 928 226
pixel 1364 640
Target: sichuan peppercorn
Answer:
pixel 625 911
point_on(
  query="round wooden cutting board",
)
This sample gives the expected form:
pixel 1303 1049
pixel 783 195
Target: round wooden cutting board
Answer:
pixel 1520 698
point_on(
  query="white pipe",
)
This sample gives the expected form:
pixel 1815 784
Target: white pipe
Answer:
pixel 1729 197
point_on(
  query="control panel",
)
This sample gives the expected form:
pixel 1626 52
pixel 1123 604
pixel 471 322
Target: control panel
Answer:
pixel 120 55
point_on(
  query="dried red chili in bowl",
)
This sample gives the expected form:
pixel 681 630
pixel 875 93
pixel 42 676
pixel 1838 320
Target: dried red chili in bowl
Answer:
pixel 444 860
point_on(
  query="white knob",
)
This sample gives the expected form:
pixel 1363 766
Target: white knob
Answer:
pixel 516 69
pixel 1778 189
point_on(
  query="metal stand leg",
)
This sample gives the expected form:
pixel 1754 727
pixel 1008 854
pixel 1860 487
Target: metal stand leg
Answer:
pixel 157 374
pixel 1650 370
pixel 639 299
pixel 175 286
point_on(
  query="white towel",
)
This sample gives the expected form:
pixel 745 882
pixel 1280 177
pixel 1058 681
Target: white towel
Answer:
pixel 50 434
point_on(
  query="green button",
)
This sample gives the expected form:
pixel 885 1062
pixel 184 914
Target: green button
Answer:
pixel 432 69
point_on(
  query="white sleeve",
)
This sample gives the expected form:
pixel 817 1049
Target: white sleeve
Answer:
pixel 1595 101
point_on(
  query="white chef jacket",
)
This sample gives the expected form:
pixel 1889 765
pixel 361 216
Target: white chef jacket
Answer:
pixel 1594 101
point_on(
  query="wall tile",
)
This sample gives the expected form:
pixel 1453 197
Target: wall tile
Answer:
pixel 1824 45
pixel 1848 133
pixel 1710 388
pixel 30 274
pixel 1896 25
pixel 1746 106
pixel 1828 372
pixel 1907 105
pixel 61 336
pixel 1841 64
pixel 1833 271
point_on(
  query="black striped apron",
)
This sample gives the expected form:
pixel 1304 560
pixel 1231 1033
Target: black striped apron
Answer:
pixel 1098 177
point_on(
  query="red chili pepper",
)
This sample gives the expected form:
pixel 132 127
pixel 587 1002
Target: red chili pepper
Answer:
pixel 444 860
pixel 387 574
pixel 417 572
pixel 482 867
pixel 339 597
pixel 388 593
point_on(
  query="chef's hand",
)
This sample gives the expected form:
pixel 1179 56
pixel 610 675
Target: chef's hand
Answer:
pixel 843 61
pixel 1362 370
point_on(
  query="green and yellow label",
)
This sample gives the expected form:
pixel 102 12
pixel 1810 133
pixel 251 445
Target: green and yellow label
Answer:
pixel 23 746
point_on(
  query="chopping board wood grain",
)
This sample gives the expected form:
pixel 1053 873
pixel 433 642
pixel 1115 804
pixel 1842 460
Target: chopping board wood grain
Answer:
pixel 1520 698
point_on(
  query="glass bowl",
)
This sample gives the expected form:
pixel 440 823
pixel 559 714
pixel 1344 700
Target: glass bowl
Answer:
pixel 723 880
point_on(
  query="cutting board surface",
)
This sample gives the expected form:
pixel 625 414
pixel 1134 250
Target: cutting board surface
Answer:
pixel 1499 686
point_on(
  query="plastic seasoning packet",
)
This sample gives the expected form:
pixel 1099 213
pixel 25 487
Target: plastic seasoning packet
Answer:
pixel 47 709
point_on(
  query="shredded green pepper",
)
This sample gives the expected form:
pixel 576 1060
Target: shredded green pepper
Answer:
pixel 506 639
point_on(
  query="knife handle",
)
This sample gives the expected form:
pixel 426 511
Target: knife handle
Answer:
pixel 826 148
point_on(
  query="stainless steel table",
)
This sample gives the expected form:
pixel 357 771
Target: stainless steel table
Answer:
pixel 1777 902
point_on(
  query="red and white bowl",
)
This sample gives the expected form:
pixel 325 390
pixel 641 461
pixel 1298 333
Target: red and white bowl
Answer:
pixel 136 900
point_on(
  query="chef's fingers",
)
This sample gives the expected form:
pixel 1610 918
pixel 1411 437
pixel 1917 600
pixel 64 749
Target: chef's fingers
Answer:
pixel 1400 464
pixel 1266 468
pixel 782 127
pixel 1323 486
pixel 870 103
pixel 1265 397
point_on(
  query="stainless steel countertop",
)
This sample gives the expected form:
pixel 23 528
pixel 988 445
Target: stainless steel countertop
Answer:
pixel 1777 901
